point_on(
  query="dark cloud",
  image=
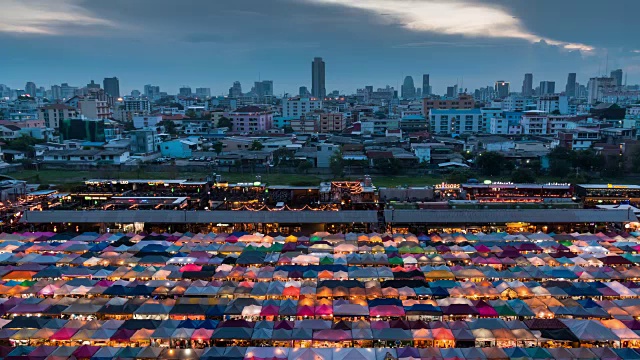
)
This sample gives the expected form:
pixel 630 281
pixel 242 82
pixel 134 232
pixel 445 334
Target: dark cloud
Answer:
pixel 213 43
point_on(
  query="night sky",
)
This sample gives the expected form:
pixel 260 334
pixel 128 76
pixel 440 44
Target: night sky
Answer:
pixel 211 43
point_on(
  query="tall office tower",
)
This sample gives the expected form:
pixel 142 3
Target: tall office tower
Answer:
pixel 502 89
pixel 30 89
pixel 419 93
pixel 185 91
pixel 318 88
pixel 303 91
pixel 570 89
pixel 151 91
pixel 527 85
pixel 426 87
pixel 111 86
pixel 203 92
pixel 408 90
pixel 547 87
pixel 617 77
pixel 56 92
pixel 235 90
pixel 263 88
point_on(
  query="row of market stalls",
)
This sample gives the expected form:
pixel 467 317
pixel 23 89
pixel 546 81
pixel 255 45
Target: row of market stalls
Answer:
pixel 320 296
pixel 279 353
pixel 481 333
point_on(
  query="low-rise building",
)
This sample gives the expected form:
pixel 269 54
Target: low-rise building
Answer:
pixel 88 157
pixel 52 114
pixel 144 121
pixel 455 121
pixel 251 119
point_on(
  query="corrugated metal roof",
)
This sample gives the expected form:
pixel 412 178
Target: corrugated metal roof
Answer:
pixel 185 217
pixel 481 216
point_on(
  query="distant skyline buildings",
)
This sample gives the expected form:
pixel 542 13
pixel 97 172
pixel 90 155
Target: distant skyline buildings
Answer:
pixel 426 85
pixel 617 77
pixel 318 85
pixel 111 86
pixel 502 89
pixel 408 89
pixel 547 87
pixel 570 88
pixel 527 85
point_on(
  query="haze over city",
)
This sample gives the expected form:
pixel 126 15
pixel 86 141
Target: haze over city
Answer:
pixel 469 42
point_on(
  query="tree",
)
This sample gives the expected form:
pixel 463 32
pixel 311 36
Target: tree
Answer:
pixel 523 176
pixel 555 112
pixel 388 166
pixel 304 167
pixel 225 122
pixel 288 129
pixel 490 163
pixel 23 143
pixel 169 126
pixel 336 164
pixel 459 176
pixel 561 161
pixel 217 147
pixel 191 114
pixel 256 146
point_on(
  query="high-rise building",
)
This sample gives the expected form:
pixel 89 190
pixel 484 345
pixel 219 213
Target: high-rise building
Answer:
pixel 408 89
pixel 111 86
pixel 617 77
pixel 30 89
pixel 92 86
pixel 67 91
pixel 203 92
pixel 597 86
pixel 235 90
pixel 502 88
pixel 263 88
pixel 185 91
pixel 452 91
pixel 570 89
pixel 318 87
pixel 426 86
pixel 419 93
pixel 56 92
pixel 527 85
pixel 303 91
pixel 151 91
pixel 547 87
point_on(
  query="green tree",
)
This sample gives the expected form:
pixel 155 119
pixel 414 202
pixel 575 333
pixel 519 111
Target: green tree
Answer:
pixel 191 114
pixel 256 146
pixel 589 160
pixel 23 143
pixel 635 160
pixel 490 163
pixel 170 127
pixel 304 167
pixel 523 176
pixel 217 147
pixel 336 164
pixel 288 129
pixel 459 176
pixel 388 166
pixel 225 122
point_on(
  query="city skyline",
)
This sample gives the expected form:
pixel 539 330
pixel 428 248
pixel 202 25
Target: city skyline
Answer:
pixel 221 44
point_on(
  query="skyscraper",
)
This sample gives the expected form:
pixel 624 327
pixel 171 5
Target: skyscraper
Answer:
pixel 30 89
pixel 527 85
pixel 502 89
pixel 203 92
pixel 185 91
pixel 547 87
pixel 235 90
pixel 570 89
pixel 263 88
pixel 151 91
pixel 408 90
pixel 111 86
pixel 303 91
pixel 426 87
pixel 317 78
pixel 617 77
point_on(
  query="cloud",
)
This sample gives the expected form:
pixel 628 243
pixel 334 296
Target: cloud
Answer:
pixel 451 17
pixel 45 17
pixel 424 44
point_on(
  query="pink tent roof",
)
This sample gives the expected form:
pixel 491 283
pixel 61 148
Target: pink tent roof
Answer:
pixel 386 310
pixel 64 334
